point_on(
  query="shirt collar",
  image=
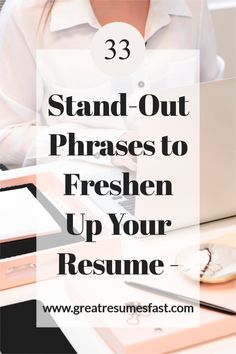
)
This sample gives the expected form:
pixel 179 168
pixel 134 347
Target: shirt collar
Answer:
pixel 160 14
pixel 70 13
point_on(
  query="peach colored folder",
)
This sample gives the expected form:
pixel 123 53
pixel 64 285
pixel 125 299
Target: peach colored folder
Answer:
pixel 162 340
pixel 213 325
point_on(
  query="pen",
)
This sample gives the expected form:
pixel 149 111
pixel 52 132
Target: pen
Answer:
pixel 169 294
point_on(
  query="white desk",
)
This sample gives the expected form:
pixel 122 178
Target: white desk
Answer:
pixel 87 340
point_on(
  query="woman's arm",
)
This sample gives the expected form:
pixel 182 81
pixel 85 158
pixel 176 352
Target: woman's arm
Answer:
pixel 17 90
pixel 18 128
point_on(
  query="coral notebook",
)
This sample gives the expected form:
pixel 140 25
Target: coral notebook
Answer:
pixel 162 340
pixel 159 341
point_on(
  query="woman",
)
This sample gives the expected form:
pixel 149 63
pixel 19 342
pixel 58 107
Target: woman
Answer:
pixel 71 24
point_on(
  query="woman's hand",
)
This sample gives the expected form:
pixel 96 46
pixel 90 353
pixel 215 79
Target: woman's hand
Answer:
pixel 128 161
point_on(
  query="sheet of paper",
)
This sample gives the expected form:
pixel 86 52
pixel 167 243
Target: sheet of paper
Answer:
pixel 22 215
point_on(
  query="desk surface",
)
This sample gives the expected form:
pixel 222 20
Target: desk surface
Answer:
pixel 87 340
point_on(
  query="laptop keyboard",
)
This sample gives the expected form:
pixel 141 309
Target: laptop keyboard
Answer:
pixel 127 202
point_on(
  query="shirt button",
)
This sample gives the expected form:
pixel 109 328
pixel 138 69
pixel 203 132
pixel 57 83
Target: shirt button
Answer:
pixel 141 84
pixel 97 155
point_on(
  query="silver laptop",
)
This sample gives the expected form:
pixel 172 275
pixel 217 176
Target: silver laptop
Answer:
pixel 218 150
pixel 217 159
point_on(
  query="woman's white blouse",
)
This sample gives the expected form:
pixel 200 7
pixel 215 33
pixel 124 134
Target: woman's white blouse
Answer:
pixel 171 24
